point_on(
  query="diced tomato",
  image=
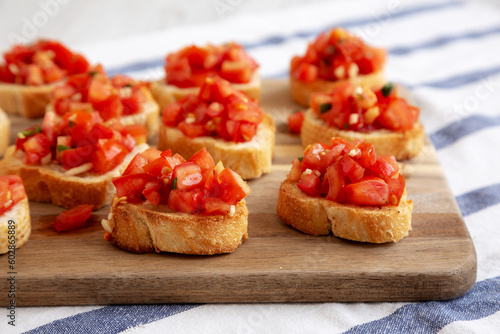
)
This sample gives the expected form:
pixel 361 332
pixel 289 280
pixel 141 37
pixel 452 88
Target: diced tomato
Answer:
pixel 312 156
pixel 155 167
pixel 187 176
pixel 99 131
pixel 310 184
pixel 152 191
pixel 109 108
pixel 75 157
pixel 172 161
pixel 399 116
pixel 385 166
pixel 132 186
pixel 152 153
pixel 214 205
pixel 36 147
pixel 136 164
pixel 203 159
pixel 295 121
pixel 109 154
pixel 73 219
pixel 352 169
pixel 234 188
pixel 185 201
pixel 17 192
pixel 306 72
pixel 296 171
pixel 336 181
pixel 396 189
pixel 238 71
pixel 368 191
pixel 192 130
pixel 48 126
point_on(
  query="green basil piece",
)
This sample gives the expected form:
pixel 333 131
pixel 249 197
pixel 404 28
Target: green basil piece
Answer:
pixel 387 89
pixel 61 148
pixel 325 107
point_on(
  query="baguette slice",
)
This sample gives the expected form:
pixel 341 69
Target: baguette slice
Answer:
pixel 165 94
pixel 402 144
pixel 20 214
pixel 318 216
pixel 144 228
pixel 50 184
pixel 4 132
pixel 250 160
pixel 301 91
pixel 27 101
pixel 149 115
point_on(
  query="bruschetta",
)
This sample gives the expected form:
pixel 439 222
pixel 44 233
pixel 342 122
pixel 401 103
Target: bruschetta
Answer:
pixel 30 73
pixel 187 69
pixel 348 189
pixel 232 126
pixel 164 203
pixel 71 161
pixel 380 117
pixel 15 223
pixel 119 97
pixel 335 57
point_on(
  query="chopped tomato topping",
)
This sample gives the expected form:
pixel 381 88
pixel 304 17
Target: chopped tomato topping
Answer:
pixel 190 66
pixel 197 186
pixel 95 91
pixel 360 109
pixel 336 55
pixel 40 63
pixel 79 138
pixel 218 111
pixel 348 173
pixel 73 219
pixel 11 192
pixel 295 121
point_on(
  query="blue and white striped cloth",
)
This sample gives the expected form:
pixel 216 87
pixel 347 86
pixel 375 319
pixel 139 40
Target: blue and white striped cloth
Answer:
pixel 448 54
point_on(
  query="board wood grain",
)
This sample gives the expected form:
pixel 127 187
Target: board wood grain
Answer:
pixel 276 264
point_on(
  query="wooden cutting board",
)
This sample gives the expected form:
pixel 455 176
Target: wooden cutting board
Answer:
pixel 276 264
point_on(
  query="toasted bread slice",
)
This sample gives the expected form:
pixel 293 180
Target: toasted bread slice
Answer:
pixel 301 91
pixel 318 216
pixel 24 100
pixel 148 115
pixel 250 160
pixel 50 183
pixel 402 144
pixel 146 228
pixel 19 215
pixel 165 94
pixel 4 132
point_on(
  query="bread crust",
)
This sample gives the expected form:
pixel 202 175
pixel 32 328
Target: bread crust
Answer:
pixel 20 214
pixel 250 160
pixel 144 228
pixel 402 144
pixel 4 132
pixel 165 94
pixel 49 184
pixel 301 91
pixel 27 101
pixel 318 216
